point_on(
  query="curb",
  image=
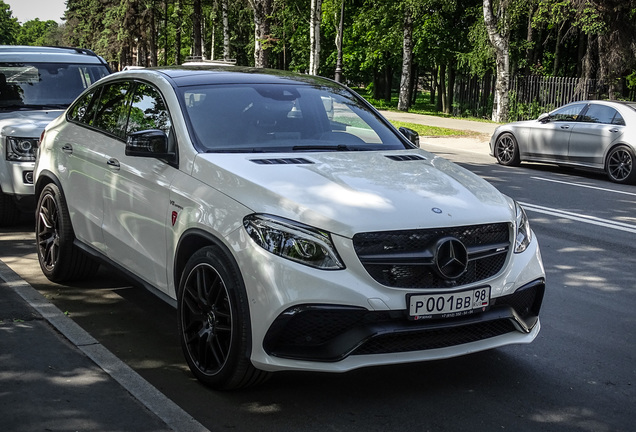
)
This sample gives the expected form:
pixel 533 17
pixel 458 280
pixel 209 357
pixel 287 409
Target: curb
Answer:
pixel 151 398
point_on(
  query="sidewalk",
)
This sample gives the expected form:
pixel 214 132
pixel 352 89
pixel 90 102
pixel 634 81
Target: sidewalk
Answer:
pixel 474 144
pixel 56 377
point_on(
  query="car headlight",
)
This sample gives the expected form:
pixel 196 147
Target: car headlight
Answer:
pixel 21 149
pixel 294 241
pixel 522 229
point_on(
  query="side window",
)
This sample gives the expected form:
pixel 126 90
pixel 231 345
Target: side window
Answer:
pixel 148 110
pixel 83 109
pixel 112 111
pixel 600 114
pixel 618 119
pixel 567 113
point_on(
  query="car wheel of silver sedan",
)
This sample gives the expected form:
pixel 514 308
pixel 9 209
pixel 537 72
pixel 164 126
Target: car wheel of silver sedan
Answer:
pixel 60 260
pixel 620 165
pixel 507 150
pixel 214 324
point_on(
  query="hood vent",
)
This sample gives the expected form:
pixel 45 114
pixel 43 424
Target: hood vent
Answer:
pixel 283 161
pixel 408 157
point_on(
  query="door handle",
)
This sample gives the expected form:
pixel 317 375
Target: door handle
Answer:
pixel 565 127
pixel 67 148
pixel 113 163
pixel 613 130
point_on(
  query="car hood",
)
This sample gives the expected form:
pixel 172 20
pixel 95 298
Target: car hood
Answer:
pixel 350 192
pixel 26 123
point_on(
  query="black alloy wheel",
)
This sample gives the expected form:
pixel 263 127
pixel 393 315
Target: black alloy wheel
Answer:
pixel 620 165
pixel 213 321
pixel 507 150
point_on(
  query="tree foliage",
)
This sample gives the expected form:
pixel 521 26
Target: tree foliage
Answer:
pixel 9 26
pixel 572 38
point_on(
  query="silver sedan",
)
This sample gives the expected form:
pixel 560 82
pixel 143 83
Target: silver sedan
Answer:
pixel 599 135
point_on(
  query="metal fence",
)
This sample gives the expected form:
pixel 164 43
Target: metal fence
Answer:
pixel 531 95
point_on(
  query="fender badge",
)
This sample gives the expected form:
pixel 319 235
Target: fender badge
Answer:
pixel 174 217
pixel 436 210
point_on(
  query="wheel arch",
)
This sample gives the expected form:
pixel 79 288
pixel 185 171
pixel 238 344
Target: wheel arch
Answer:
pixel 189 243
pixel 609 149
pixel 46 177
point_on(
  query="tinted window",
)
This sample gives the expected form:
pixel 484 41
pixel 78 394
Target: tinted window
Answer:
pixel 567 113
pixel 111 112
pixel 272 117
pixel 82 110
pixel 148 110
pixel 618 119
pixel 49 84
pixel 600 114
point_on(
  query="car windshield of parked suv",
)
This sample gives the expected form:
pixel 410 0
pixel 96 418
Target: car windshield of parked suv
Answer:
pixel 277 118
pixel 45 85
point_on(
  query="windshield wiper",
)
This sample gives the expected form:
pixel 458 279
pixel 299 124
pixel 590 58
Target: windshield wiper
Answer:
pixel 338 147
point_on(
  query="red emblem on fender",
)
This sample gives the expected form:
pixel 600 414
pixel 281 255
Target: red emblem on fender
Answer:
pixel 174 217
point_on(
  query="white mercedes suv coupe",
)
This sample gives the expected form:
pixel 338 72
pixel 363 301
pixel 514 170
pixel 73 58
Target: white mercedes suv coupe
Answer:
pixel 291 225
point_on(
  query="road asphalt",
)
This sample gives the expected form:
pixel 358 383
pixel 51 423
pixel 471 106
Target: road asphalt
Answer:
pixel 54 376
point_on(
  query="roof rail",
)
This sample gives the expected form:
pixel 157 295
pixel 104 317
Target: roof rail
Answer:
pixel 77 50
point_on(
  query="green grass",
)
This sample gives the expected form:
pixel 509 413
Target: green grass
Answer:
pixel 422 105
pixel 432 131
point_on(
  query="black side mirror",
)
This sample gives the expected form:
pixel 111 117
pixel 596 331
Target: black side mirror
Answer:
pixel 149 143
pixel 410 135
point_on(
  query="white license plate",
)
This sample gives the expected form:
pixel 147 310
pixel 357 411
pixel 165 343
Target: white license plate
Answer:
pixel 425 306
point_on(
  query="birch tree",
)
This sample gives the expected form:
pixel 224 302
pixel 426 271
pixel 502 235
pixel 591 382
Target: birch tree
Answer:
pixel 314 36
pixel 406 87
pixel 499 37
pixel 262 10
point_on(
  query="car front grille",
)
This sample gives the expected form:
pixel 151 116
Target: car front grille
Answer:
pixel 406 259
pixel 330 333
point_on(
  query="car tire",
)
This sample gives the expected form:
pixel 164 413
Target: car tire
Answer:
pixel 60 260
pixel 9 212
pixel 619 165
pixel 214 323
pixel 507 150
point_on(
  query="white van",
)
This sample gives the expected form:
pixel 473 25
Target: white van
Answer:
pixel 36 85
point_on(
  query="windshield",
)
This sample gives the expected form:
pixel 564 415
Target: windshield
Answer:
pixel 282 118
pixel 41 85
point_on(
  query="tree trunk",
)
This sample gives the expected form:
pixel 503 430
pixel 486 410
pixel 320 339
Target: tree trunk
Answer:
pixel 500 42
pixel 388 80
pixel 226 31
pixel 153 35
pixel 406 84
pixel 165 30
pixel 433 84
pixel 529 40
pixel 451 90
pixel 262 11
pixel 441 89
pixel 339 32
pixel 177 42
pixel 196 29
pixel 557 52
pixel 314 36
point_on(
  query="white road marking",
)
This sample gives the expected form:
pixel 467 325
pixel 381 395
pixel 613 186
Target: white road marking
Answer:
pixel 607 223
pixel 584 186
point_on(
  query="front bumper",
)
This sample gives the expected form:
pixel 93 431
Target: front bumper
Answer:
pixel 329 333
pixel 16 178
pixel 335 321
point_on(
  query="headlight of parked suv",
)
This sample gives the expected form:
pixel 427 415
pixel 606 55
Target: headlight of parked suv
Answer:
pixel 21 149
pixel 296 242
pixel 523 232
